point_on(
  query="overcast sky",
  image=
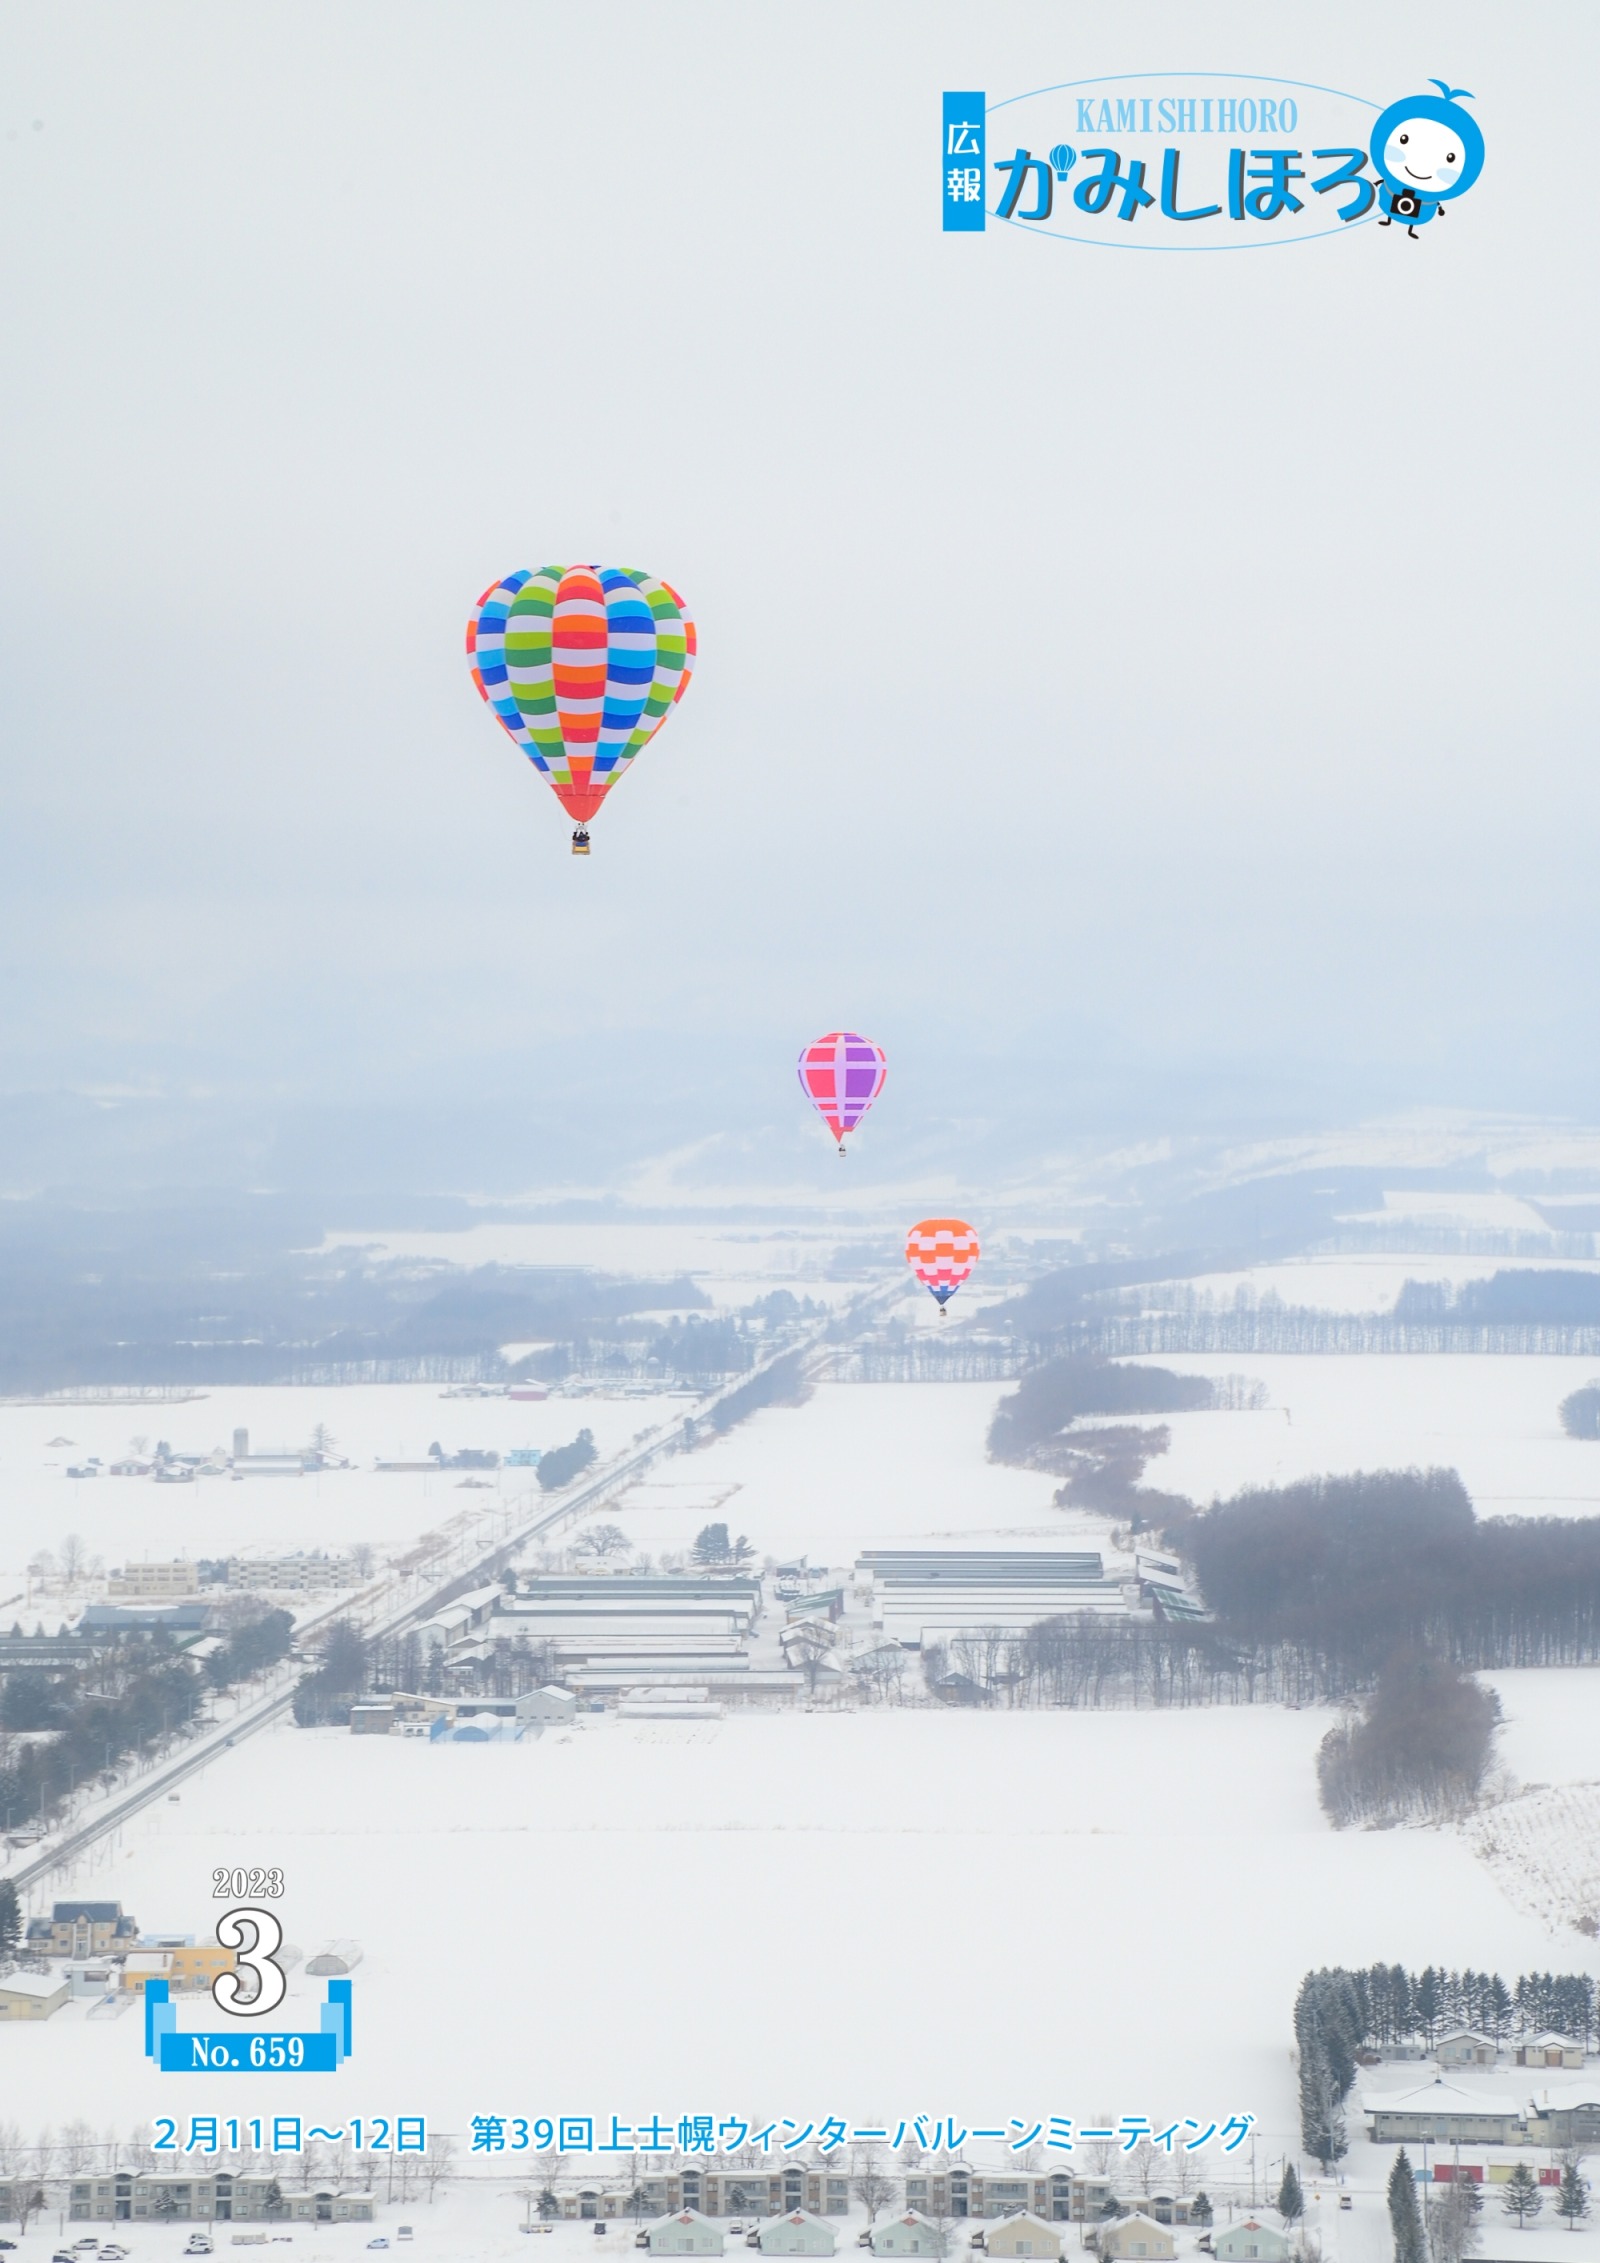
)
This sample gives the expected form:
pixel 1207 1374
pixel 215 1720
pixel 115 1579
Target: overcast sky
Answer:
pixel 1117 673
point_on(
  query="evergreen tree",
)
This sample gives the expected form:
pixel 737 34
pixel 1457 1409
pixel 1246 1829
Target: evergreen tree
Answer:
pixel 1291 2200
pixel 1572 2201
pixel 10 1917
pixel 1404 2215
pixel 1429 2005
pixel 1521 2195
pixel 1200 2209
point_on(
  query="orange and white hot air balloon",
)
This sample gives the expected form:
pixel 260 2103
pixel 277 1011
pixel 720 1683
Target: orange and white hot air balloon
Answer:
pixel 942 1252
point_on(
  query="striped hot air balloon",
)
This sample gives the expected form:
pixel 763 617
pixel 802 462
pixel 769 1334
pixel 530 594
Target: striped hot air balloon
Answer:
pixel 841 1075
pixel 942 1252
pixel 582 665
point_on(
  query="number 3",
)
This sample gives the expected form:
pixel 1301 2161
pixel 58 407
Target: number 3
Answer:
pixel 252 1934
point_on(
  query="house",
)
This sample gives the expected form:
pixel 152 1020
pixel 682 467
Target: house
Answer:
pixel 1251 2242
pixel 372 1718
pixel 1549 2050
pixel 1444 2113
pixel 1465 2047
pixel 1138 2236
pixel 686 2233
pixel 82 1929
pixel 32 1995
pixel 550 1707
pixel 799 2233
pixel 185 1966
pixel 198 2198
pixel 910 2234
pixel 1024 2235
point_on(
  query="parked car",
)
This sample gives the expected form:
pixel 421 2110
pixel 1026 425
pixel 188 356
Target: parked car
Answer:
pixel 404 2232
pixel 198 2244
pixel 977 2240
pixel 640 2239
pixel 111 2253
pixel 599 2227
pixel 380 2241
pixel 1344 2200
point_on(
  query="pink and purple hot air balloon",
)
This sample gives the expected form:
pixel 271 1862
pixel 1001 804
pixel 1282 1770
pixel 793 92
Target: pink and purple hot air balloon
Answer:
pixel 841 1075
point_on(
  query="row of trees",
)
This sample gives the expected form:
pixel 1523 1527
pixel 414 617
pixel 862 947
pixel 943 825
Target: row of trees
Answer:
pixel 783 1384
pixel 1405 2007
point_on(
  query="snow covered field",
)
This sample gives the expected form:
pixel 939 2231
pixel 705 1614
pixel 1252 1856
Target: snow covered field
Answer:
pixel 1492 1418
pixel 623 1917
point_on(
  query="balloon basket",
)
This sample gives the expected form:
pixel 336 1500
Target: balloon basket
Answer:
pixel 580 848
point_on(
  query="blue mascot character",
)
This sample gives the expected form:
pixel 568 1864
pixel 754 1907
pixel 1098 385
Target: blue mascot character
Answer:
pixel 1426 149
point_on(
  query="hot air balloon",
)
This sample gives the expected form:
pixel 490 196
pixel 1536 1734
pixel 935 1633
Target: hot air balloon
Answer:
pixel 942 1252
pixel 841 1075
pixel 582 665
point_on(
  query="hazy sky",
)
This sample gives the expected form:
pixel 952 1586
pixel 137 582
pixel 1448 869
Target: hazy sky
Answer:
pixel 1116 672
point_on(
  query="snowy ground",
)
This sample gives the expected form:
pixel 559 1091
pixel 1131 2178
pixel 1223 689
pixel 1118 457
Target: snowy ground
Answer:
pixel 860 1465
pixel 1492 1418
pixel 541 1922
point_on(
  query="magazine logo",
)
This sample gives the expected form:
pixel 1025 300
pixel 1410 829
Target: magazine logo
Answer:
pixel 1203 160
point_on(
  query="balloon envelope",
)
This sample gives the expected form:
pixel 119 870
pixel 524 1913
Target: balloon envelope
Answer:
pixel 582 665
pixel 841 1075
pixel 942 1252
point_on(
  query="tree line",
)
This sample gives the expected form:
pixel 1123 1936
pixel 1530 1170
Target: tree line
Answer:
pixel 1352 1569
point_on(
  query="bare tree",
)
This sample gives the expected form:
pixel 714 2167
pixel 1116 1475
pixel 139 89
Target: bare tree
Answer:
pixel 72 1558
pixel 598 1542
pixel 77 2148
pixel 27 2199
pixel 438 2163
pixel 362 1558
pixel 1452 2215
pixel 870 2182
pixel 1102 2151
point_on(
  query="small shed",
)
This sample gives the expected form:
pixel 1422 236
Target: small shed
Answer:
pixel 1138 2239
pixel 798 2233
pixel 335 1957
pixel 910 2234
pixel 1025 2235
pixel 1251 2242
pixel 1465 2047
pixel 550 1707
pixel 686 2233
